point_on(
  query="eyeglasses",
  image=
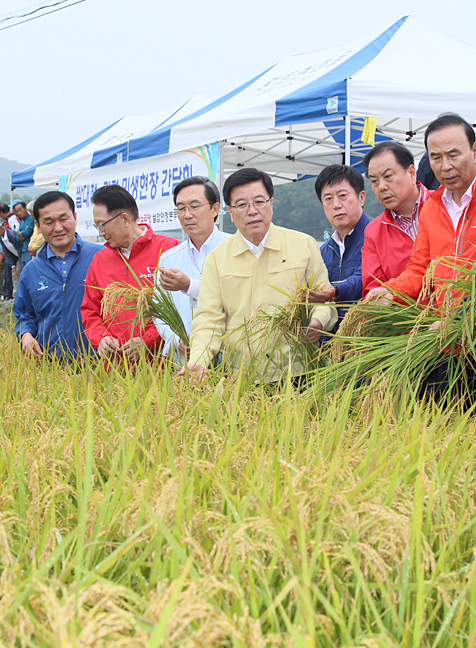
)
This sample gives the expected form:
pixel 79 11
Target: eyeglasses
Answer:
pixel 193 209
pixel 259 203
pixel 101 226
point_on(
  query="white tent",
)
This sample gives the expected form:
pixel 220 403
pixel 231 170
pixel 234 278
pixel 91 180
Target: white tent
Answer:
pixel 306 111
pixel 109 146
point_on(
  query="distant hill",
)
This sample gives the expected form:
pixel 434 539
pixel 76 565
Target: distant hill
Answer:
pixel 7 167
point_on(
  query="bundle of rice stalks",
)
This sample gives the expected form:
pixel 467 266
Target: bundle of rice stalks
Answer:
pixel 286 323
pixel 399 343
pixel 295 316
pixel 148 302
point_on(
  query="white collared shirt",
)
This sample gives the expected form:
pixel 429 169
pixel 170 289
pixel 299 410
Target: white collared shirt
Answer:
pixel 454 210
pixel 256 249
pixel 336 237
pixel 199 258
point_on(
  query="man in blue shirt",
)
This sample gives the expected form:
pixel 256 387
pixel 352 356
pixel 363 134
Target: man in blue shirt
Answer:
pixel 51 287
pixel 198 202
pixel 340 189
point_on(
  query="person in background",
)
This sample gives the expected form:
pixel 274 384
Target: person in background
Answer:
pixel 10 253
pixel 51 287
pixel 21 238
pixel 389 238
pixel 198 203
pixel 13 222
pixel 129 248
pixel 241 275
pixel 37 241
pixel 340 189
pixel 425 174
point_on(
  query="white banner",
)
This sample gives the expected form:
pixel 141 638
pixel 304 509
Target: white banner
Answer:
pixel 151 181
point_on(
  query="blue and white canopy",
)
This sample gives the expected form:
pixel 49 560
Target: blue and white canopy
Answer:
pixel 308 111
pixel 109 146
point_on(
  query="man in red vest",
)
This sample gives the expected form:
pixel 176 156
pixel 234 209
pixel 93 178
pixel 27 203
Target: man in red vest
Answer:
pixel 129 245
pixel 389 238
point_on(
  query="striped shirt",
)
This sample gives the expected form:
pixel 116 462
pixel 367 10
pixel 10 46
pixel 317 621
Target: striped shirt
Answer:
pixel 410 225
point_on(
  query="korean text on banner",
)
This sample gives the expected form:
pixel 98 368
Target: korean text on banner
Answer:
pixel 151 181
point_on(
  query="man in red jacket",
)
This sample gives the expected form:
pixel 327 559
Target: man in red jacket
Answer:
pixel 389 238
pixel 447 225
pixel 127 244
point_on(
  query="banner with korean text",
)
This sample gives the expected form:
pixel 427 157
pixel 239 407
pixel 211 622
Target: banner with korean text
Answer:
pixel 151 181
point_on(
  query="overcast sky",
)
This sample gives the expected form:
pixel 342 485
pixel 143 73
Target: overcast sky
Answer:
pixel 74 72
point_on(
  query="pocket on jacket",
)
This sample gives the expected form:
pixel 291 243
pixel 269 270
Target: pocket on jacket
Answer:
pixel 286 276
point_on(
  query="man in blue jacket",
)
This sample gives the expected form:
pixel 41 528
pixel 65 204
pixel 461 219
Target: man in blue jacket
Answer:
pixel 198 202
pixel 51 287
pixel 340 189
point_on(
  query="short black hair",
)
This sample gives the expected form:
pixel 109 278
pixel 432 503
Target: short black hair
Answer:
pixel 403 156
pixel 450 119
pixel 115 198
pixel 336 173
pixel 211 190
pixel 4 209
pixel 243 177
pixel 20 202
pixel 50 197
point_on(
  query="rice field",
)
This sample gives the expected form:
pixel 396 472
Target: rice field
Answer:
pixel 137 509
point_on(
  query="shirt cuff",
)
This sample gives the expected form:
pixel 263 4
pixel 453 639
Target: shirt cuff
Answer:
pixel 192 289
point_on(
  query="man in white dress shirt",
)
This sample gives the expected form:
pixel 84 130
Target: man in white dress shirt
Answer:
pixel 198 202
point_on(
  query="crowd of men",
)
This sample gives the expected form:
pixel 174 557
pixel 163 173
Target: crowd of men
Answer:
pixel 218 281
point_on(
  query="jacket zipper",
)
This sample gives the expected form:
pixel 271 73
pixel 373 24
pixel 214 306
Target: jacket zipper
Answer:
pixel 459 246
pixel 398 228
pixel 340 261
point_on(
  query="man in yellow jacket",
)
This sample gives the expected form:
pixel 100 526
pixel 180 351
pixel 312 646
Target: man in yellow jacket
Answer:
pixel 241 275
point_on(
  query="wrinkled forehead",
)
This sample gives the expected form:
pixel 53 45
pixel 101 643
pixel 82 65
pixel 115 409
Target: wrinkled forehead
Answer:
pixel 56 209
pixel 449 138
pixel 384 162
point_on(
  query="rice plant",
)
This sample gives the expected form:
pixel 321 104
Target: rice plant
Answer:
pixel 380 347
pixel 138 509
pixel 148 302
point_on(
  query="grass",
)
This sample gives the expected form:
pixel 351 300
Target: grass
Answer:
pixel 6 314
pixel 140 510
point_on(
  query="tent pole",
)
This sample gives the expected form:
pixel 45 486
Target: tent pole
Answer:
pixel 221 172
pixel 11 198
pixel 347 140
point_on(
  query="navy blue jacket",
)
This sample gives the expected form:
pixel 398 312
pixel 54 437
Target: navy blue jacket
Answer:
pixel 345 273
pixel 48 307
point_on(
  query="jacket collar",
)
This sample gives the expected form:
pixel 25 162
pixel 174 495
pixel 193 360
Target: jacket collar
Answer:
pixel 211 239
pixel 145 238
pixel 79 244
pixel 358 229
pixel 425 194
pixel 272 242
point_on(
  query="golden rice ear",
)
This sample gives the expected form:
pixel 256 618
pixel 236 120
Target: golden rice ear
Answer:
pixel 427 283
pixel 118 297
pixel 351 326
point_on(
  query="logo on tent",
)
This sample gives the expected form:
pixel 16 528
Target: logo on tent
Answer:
pixel 332 104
